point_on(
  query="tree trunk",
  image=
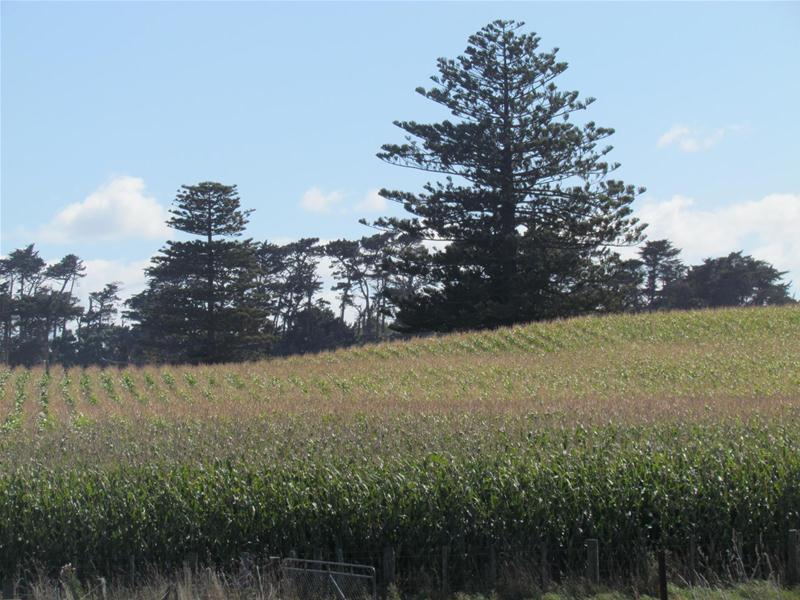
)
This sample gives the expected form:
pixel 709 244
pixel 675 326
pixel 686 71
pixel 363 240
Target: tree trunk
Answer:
pixel 507 251
pixel 211 349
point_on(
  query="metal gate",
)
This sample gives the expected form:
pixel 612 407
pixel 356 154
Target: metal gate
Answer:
pixel 323 580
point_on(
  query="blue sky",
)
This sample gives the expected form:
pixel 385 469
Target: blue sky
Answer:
pixel 107 108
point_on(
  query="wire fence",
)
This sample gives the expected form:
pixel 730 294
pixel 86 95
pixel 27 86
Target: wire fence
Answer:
pixel 338 574
pixel 323 580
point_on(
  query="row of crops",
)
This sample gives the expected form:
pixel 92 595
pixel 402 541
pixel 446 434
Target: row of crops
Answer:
pixel 645 432
pixel 652 367
pixel 271 488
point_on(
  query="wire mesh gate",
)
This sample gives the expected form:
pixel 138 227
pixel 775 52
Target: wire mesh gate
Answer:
pixel 323 580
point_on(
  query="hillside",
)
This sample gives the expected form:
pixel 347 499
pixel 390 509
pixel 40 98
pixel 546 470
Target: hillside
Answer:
pixel 642 431
pixel 648 366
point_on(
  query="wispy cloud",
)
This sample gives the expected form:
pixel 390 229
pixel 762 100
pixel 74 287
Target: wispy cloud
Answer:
pixel 118 209
pixel 314 200
pixel 372 202
pixel 766 228
pixel 689 139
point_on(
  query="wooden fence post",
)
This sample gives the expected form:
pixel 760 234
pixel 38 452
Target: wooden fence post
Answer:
pixel 8 588
pixel 191 562
pixel 593 561
pixel 492 566
pixel 188 572
pixel 388 566
pixel 544 567
pixel 445 570
pixel 132 569
pixel 662 575
pixel 738 548
pixel 738 544
pixel 793 562
pixel 339 552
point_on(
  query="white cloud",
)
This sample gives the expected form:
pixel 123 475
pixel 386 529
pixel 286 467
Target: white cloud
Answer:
pixel 373 202
pixel 316 201
pixel 118 209
pixel 694 140
pixel 99 272
pixel 768 229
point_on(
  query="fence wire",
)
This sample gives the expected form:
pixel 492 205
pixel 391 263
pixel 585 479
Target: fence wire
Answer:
pixel 324 580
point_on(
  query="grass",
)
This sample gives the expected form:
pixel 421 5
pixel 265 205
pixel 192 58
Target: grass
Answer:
pixel 209 584
pixel 642 431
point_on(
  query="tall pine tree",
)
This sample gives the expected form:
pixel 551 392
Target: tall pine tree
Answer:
pixel 201 304
pixel 662 267
pixel 526 205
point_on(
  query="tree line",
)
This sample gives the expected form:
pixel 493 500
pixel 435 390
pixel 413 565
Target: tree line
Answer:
pixel 521 222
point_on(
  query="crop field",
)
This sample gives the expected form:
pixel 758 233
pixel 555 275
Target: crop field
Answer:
pixel 644 432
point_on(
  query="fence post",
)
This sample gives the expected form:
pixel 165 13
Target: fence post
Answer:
pixel 692 561
pixel 544 571
pixel 793 562
pixel 192 561
pixel 132 569
pixel 445 569
pixel 492 566
pixel 8 588
pixel 188 571
pixel 388 566
pixel 593 561
pixel 339 552
pixel 662 575
pixel 738 548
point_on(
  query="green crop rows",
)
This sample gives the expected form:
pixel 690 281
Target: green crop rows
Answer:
pixel 99 467
pixel 415 483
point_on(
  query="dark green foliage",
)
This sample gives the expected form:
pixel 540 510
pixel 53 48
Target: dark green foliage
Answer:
pixel 315 329
pixel 526 204
pixel 348 269
pixel 424 482
pixel 36 304
pixel 208 210
pixel 733 280
pixel 373 274
pixel 619 286
pixel 101 340
pixel 288 279
pixel 662 267
pixel 202 302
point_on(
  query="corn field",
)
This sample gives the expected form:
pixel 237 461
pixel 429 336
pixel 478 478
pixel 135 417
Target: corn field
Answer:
pixel 644 432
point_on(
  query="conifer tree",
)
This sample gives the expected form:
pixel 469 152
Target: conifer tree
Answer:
pixel 662 266
pixel 525 203
pixel 200 303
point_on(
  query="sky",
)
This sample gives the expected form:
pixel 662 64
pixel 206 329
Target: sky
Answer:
pixel 107 108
